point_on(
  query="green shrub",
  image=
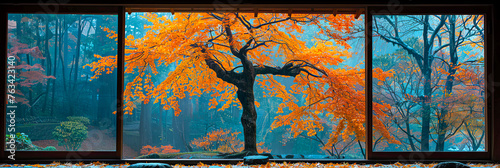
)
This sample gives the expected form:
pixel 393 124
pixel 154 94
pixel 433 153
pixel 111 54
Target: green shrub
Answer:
pixel 23 138
pixel 84 120
pixel 49 148
pixel 23 142
pixel 70 134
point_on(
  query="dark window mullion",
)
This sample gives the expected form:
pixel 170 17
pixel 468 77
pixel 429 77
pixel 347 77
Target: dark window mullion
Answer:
pixel 368 84
pixel 120 68
pixel 3 81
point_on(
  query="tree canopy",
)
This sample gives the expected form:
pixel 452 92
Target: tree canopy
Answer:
pixel 215 53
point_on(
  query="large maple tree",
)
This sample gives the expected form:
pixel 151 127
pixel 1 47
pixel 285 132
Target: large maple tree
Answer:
pixel 222 54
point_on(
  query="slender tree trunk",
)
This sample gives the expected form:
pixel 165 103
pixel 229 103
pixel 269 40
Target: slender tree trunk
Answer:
pixel 442 123
pixel 478 142
pixel 57 45
pixel 75 67
pixel 38 38
pixel 426 71
pixel 64 48
pixel 426 112
pixel 180 124
pixel 161 111
pixel 145 125
pixel 18 27
pixel 77 55
pixel 264 126
pixel 30 92
pixel 408 131
pixel 49 63
pixel 63 51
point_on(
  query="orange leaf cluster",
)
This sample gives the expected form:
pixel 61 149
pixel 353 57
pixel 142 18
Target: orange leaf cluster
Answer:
pixel 148 149
pixel 224 141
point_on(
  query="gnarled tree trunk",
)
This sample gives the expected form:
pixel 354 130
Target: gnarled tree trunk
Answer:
pixel 248 118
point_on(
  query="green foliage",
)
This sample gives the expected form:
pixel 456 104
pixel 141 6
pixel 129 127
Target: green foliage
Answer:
pixel 23 138
pixel 49 148
pixel 70 134
pixel 80 119
pixel 23 143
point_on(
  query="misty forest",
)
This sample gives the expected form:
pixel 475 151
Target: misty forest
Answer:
pixel 227 85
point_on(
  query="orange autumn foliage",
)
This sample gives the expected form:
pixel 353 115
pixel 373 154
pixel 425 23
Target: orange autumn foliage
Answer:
pixel 187 40
pixel 224 141
pixel 148 149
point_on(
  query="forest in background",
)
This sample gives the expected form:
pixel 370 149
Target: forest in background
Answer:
pixel 438 93
pixel 59 106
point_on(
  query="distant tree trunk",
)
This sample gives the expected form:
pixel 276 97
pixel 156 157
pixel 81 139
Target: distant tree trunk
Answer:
pixel 442 123
pixel 56 44
pixel 145 125
pixel 64 47
pixel 18 27
pixel 38 38
pixel 30 92
pixel 75 67
pixel 97 50
pixel 426 112
pixel 426 71
pixel 77 55
pixel 160 124
pixel 265 121
pixel 49 62
pixel 180 124
pixel 408 132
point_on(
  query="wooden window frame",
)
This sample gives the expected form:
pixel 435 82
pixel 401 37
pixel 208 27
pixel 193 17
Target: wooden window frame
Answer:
pixel 492 77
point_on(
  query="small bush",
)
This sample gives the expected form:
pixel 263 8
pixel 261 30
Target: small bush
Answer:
pixel 84 120
pixel 70 134
pixel 23 142
pixel 49 148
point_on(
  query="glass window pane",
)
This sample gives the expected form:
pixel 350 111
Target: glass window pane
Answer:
pixel 428 83
pixel 184 85
pixel 57 99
